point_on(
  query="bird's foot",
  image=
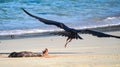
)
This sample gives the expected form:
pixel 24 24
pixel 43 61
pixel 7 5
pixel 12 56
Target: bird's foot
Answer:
pixel 65 46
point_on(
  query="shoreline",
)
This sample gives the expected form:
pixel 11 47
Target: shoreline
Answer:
pixel 113 28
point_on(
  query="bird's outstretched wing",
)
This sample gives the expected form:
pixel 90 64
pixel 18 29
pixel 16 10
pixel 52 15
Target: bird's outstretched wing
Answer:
pixel 49 22
pixel 96 33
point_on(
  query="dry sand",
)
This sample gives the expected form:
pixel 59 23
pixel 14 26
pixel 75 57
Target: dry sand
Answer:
pixel 90 52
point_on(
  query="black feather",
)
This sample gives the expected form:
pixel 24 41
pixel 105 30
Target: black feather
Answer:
pixel 96 33
pixel 49 22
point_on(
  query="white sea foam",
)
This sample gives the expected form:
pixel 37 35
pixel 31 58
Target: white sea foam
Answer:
pixel 33 31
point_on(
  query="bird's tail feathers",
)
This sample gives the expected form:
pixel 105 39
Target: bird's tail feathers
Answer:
pixel 79 37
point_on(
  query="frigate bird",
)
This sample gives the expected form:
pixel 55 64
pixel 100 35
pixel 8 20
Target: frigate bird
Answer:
pixel 71 33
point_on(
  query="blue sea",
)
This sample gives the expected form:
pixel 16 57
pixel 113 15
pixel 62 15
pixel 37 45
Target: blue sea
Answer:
pixel 77 14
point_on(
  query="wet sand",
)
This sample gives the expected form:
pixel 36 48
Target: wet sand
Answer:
pixel 90 52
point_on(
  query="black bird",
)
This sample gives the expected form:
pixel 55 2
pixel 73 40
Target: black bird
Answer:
pixel 69 32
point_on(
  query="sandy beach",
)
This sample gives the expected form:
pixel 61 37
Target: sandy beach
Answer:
pixel 90 52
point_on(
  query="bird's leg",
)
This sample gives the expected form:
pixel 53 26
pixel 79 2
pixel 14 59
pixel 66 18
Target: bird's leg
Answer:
pixel 67 41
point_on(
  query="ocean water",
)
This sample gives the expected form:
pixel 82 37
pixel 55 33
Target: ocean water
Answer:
pixel 77 14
